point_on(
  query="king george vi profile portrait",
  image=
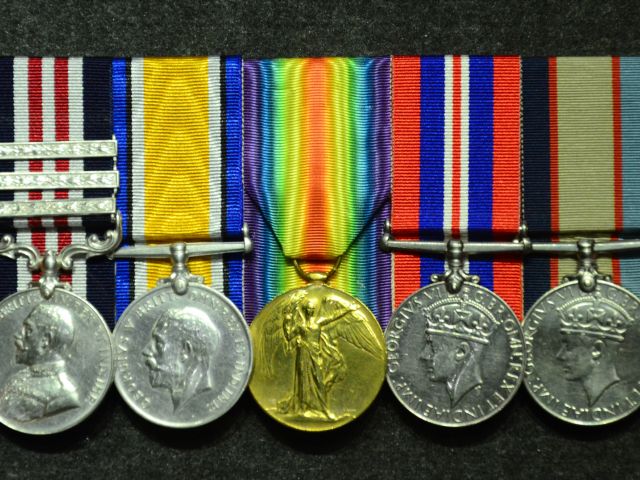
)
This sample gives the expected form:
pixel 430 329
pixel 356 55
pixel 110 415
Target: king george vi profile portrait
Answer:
pixel 44 386
pixel 456 337
pixel 592 332
pixel 180 353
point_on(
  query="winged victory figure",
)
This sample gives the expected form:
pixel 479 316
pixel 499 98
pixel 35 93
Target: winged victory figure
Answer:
pixel 310 326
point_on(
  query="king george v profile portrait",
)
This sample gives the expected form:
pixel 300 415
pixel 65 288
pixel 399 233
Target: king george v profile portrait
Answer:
pixel 44 386
pixel 180 353
pixel 455 341
pixel 591 335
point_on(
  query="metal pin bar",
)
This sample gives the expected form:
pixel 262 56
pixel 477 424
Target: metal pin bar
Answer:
pixel 56 208
pixel 59 180
pixel 518 246
pixel 51 150
pixel 200 249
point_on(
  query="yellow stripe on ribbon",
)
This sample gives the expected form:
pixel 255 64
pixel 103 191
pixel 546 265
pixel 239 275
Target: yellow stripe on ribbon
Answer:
pixel 176 152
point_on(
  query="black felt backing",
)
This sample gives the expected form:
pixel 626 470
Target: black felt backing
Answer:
pixel 386 442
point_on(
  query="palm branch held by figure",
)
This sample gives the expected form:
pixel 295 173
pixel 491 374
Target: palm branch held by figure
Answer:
pixel 310 327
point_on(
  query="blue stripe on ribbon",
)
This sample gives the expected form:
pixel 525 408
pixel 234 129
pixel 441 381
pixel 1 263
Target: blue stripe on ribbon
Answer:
pixel 480 203
pixel 8 267
pixel 630 116
pixel 233 200
pixel 97 126
pixel 536 170
pixel 431 159
pixel 120 119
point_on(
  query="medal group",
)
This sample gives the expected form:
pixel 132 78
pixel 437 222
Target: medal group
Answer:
pixel 188 227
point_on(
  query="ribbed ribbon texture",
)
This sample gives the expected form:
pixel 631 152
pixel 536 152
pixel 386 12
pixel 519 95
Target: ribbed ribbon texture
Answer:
pixel 317 174
pixel 581 154
pixel 456 165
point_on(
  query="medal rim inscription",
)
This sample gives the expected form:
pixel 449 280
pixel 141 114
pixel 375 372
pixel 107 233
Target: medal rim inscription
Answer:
pixel 299 426
pixel 111 364
pixel 508 399
pixel 559 416
pixel 122 390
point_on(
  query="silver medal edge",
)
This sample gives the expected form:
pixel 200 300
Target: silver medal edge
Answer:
pixel 557 415
pixel 182 425
pixel 89 411
pixel 502 405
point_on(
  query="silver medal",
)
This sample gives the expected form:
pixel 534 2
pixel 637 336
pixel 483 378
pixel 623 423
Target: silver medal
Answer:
pixel 455 349
pixel 583 353
pixel 183 350
pixel 455 359
pixel 55 361
pixel 583 345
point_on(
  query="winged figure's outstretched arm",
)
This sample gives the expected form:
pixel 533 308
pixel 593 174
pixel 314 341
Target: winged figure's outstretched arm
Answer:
pixel 353 327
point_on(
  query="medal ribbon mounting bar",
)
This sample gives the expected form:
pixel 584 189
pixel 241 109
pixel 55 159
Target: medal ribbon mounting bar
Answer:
pixel 180 252
pixel 586 250
pixel 50 263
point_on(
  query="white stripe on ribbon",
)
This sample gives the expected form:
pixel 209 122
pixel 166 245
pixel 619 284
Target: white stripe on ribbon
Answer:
pixel 448 148
pixel 464 153
pixel 137 173
pixel 21 134
pixel 49 135
pixel 76 132
pixel 215 169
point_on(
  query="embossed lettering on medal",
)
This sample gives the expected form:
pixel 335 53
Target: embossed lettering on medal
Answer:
pixel 455 349
pixel 455 359
pixel 583 349
pixel 583 346
pixel 183 350
pixel 56 361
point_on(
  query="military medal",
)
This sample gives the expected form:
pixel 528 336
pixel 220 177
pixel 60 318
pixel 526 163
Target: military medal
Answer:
pixel 455 348
pixel 317 173
pixel 580 170
pixel 56 355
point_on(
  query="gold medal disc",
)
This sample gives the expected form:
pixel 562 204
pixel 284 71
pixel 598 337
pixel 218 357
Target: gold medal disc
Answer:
pixel 320 358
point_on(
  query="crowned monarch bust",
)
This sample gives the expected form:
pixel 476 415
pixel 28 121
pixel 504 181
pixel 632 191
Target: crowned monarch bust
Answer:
pixel 592 331
pixel 456 337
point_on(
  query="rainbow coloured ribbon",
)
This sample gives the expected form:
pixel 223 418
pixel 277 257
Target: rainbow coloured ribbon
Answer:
pixel 456 172
pixel 317 173
pixel 581 145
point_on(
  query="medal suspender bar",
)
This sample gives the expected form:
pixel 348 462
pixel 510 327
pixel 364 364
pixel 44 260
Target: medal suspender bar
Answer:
pixel 60 365
pixel 456 349
pixel 317 175
pixel 184 354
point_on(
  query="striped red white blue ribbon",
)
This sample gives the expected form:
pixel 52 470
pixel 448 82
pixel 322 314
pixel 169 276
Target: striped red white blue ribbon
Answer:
pixel 456 173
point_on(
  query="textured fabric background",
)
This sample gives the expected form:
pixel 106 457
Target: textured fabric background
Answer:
pixel 387 442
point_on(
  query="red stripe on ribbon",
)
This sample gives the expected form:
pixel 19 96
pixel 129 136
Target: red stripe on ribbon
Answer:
pixel 507 273
pixel 456 147
pixel 405 212
pixel 61 97
pixel 617 158
pixel 34 72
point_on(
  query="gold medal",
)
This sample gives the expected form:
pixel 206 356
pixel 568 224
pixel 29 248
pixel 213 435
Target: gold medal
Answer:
pixel 320 356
